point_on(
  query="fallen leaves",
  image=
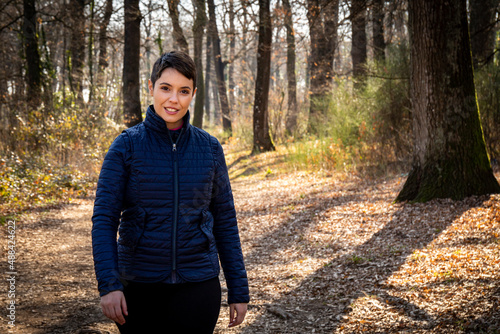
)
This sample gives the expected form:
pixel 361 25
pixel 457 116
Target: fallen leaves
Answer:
pixel 324 255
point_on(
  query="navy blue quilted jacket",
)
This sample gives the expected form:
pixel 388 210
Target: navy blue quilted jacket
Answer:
pixel 172 205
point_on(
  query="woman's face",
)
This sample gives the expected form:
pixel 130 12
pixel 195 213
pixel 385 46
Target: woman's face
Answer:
pixel 172 95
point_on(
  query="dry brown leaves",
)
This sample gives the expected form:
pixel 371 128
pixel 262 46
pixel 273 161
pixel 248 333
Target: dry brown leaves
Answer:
pixel 325 254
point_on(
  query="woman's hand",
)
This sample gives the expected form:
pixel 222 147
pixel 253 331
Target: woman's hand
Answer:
pixel 236 319
pixel 114 306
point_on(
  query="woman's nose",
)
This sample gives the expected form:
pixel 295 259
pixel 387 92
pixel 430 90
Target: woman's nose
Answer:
pixel 173 97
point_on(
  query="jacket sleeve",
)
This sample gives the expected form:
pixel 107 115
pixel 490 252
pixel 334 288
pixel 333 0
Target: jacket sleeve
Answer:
pixel 226 232
pixel 107 210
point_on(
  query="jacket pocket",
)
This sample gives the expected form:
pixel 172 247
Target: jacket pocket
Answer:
pixel 206 226
pixel 132 225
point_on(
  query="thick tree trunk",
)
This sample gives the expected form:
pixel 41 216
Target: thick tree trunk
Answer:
pixel 261 137
pixel 482 30
pixel 34 72
pixel 358 49
pixel 219 69
pixel 291 116
pixel 378 29
pixel 198 32
pixel 322 16
pixel 77 18
pixel 450 159
pixel 132 113
pixel 180 41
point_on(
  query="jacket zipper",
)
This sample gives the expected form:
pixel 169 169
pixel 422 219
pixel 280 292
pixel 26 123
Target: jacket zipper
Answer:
pixel 176 201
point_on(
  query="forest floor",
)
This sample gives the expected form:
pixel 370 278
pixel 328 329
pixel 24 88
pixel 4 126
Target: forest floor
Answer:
pixel 325 253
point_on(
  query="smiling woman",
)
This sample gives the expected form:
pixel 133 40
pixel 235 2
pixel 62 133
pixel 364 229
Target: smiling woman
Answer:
pixel 164 187
pixel 172 93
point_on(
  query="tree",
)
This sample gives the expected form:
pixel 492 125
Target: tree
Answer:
pixel 261 137
pixel 378 29
pixel 291 119
pixel 450 158
pixel 77 48
pixel 131 83
pixel 208 70
pixel 180 41
pixel 482 30
pixel 358 49
pixel 232 55
pixel 198 32
pixel 219 68
pixel 103 37
pixel 34 73
pixel 322 16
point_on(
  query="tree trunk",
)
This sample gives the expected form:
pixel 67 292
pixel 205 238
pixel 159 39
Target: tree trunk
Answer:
pixel 322 16
pixel 77 17
pixel 34 73
pixel 232 55
pixel 450 158
pixel 358 49
pixel 378 29
pixel 261 138
pixel 198 32
pixel 482 30
pixel 208 71
pixel 91 51
pixel 291 119
pixel 103 36
pixel 219 69
pixel 131 83
pixel 180 41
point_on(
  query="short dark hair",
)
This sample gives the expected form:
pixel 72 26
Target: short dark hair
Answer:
pixel 177 60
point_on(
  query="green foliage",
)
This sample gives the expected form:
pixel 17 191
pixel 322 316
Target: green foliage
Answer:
pixel 365 127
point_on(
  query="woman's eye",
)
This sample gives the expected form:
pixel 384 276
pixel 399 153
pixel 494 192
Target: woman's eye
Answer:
pixel 185 92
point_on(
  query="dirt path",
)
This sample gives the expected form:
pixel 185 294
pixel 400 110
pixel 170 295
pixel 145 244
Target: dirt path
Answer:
pixel 324 255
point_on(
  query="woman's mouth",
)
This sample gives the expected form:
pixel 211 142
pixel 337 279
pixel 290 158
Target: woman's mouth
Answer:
pixel 171 111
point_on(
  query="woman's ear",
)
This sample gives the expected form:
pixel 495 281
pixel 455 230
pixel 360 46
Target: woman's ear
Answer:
pixel 150 86
pixel 194 91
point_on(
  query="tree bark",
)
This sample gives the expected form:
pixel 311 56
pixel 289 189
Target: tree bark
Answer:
pixel 291 119
pixel 103 36
pixel 232 55
pixel 77 49
pixel 482 30
pixel 131 83
pixel 219 69
pixel 450 158
pixel 91 51
pixel 322 16
pixel 358 48
pixel 180 41
pixel 198 32
pixel 208 71
pixel 34 72
pixel 378 29
pixel 261 138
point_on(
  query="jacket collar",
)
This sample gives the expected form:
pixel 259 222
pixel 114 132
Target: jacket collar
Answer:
pixel 155 122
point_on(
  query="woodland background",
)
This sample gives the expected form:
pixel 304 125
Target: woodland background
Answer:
pixel 74 73
pixel 318 104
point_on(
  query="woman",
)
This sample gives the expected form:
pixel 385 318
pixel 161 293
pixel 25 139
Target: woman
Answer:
pixel 164 187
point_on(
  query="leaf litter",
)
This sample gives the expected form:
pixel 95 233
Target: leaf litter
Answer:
pixel 325 253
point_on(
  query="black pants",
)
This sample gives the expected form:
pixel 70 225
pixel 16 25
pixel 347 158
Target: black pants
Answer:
pixel 161 308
